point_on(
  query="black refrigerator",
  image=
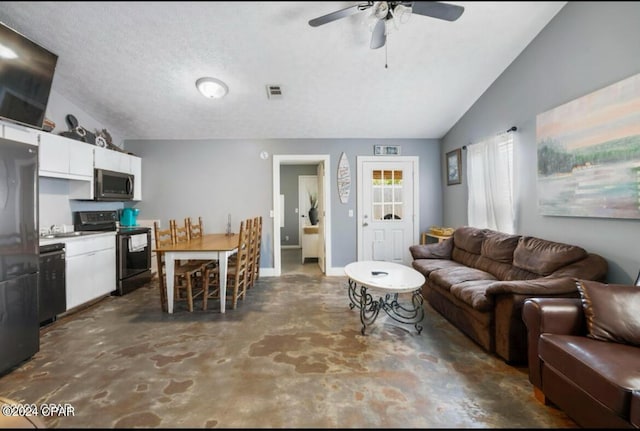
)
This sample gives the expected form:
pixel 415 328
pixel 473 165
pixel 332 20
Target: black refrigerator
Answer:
pixel 19 247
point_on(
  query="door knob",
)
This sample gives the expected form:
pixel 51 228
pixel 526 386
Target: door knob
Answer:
pixel 365 224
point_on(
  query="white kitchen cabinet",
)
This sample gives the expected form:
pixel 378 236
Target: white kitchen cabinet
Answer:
pixel 61 157
pixel 80 158
pixel 53 156
pixel 15 132
pixel 112 160
pixel 90 269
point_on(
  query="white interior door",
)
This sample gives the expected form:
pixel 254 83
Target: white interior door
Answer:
pixel 387 212
pixel 321 218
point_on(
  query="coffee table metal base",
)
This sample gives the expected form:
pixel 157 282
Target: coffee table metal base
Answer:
pixel 370 307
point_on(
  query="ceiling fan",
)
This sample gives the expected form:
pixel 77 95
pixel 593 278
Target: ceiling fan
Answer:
pixel 386 15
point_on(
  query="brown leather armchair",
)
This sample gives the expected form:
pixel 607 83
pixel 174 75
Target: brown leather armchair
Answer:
pixel 596 382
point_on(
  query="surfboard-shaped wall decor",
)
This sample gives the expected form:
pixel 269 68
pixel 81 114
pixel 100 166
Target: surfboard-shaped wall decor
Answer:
pixel 344 178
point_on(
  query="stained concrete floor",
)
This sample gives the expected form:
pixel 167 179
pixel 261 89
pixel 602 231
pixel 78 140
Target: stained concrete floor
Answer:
pixel 290 356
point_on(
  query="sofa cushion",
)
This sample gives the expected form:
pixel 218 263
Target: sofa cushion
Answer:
pixel 469 239
pixel 499 246
pixel 474 293
pixel 608 372
pixel 425 266
pixel 544 257
pixel 612 311
pixel 447 277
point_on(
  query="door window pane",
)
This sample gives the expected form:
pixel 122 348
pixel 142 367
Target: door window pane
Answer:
pixel 387 195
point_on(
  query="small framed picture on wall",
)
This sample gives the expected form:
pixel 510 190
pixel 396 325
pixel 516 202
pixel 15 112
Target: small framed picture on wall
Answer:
pixel 386 150
pixel 454 167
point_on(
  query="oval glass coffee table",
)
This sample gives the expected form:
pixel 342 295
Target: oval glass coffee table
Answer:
pixel 385 280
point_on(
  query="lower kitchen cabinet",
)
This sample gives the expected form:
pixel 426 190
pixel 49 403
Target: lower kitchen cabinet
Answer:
pixel 90 269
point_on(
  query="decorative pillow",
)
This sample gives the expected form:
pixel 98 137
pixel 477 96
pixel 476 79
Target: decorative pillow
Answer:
pixel 611 311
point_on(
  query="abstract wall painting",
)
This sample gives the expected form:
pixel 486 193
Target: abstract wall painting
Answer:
pixel 589 154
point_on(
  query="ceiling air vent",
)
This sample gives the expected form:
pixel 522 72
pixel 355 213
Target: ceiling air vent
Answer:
pixel 274 92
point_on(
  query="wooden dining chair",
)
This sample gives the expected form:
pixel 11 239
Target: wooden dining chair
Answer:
pixel 258 233
pixel 237 274
pixel 195 231
pixel 180 231
pixel 188 278
pixel 251 252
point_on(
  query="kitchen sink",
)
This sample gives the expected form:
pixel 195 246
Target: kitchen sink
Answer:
pixel 67 234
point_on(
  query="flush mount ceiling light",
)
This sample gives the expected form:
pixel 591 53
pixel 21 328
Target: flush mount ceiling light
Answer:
pixel 212 88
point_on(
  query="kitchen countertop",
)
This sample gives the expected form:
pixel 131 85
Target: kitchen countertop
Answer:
pixel 65 239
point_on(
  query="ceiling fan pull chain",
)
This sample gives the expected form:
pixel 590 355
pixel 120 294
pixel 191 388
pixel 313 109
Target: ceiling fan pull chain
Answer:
pixel 386 66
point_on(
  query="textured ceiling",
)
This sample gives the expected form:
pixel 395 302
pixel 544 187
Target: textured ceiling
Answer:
pixel 134 65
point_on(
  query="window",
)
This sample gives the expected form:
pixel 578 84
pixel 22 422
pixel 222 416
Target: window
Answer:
pixel 387 195
pixel 490 183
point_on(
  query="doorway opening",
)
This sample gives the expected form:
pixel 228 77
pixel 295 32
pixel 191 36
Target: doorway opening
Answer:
pixel 318 237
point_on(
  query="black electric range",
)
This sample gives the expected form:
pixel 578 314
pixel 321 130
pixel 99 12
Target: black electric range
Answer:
pixel 104 221
pixel 133 247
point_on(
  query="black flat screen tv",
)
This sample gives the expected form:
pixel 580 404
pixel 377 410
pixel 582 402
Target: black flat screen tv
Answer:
pixel 26 75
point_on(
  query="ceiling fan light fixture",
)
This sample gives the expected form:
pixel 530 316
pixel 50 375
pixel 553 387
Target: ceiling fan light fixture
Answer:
pixel 381 9
pixel 212 88
pixel 389 26
pixel 379 14
pixel 401 13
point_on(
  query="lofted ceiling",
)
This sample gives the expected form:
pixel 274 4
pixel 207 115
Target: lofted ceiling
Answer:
pixel 134 65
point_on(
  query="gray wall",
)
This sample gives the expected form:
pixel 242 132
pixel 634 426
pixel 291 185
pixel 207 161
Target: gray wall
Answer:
pixel 214 178
pixel 289 188
pixel 587 46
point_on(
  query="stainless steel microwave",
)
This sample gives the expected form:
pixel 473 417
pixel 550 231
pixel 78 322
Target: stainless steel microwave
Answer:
pixel 113 186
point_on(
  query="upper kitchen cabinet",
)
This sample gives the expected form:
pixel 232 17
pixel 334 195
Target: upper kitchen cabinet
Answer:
pixel 62 157
pixel 112 160
pixel 19 133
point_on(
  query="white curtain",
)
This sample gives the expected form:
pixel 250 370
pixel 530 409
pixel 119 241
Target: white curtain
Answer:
pixel 490 183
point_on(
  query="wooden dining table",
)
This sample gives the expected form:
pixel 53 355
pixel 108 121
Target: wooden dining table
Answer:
pixel 208 247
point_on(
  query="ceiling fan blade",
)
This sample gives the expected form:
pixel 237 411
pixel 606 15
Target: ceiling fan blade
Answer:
pixel 378 38
pixel 342 13
pixel 434 9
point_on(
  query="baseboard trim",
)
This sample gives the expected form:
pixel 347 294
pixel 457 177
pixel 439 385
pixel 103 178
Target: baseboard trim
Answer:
pixel 267 272
pixel 331 272
pixel 335 272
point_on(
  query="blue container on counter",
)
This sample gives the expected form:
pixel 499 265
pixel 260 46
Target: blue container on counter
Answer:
pixel 128 217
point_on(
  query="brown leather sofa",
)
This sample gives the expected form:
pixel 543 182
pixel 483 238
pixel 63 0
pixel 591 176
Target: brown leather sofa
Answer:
pixel 479 279
pixel 589 369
